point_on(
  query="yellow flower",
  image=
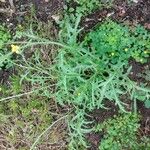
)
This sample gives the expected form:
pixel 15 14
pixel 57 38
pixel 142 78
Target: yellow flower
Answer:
pixel 19 26
pixel 141 60
pixel 112 54
pixel 15 49
pixel 126 49
pixel 79 94
pixel 145 52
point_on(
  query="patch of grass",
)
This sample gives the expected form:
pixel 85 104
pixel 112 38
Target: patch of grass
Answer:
pixel 22 121
pixel 25 116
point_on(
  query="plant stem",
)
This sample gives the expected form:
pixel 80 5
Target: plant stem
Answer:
pixel 44 132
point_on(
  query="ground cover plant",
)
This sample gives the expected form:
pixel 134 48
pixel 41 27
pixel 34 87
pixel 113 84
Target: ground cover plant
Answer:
pixel 59 80
pixel 120 43
pixel 84 7
pixel 121 133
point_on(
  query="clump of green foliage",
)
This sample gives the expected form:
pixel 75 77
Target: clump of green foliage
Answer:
pixel 119 43
pixel 4 55
pixel 82 6
pixel 29 117
pixel 92 71
pixel 74 8
pixel 121 133
pixel 78 128
pixel 4 37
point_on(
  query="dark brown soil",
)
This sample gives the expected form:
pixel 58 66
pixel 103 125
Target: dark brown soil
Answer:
pixel 121 11
pixel 145 119
pixel 99 116
pixel 94 139
pixel 45 9
pixel 5 74
pixel 137 69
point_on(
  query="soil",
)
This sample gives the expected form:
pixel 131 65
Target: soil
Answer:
pixel 121 11
pixel 98 116
pixel 145 119
pixel 137 70
pixel 5 74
